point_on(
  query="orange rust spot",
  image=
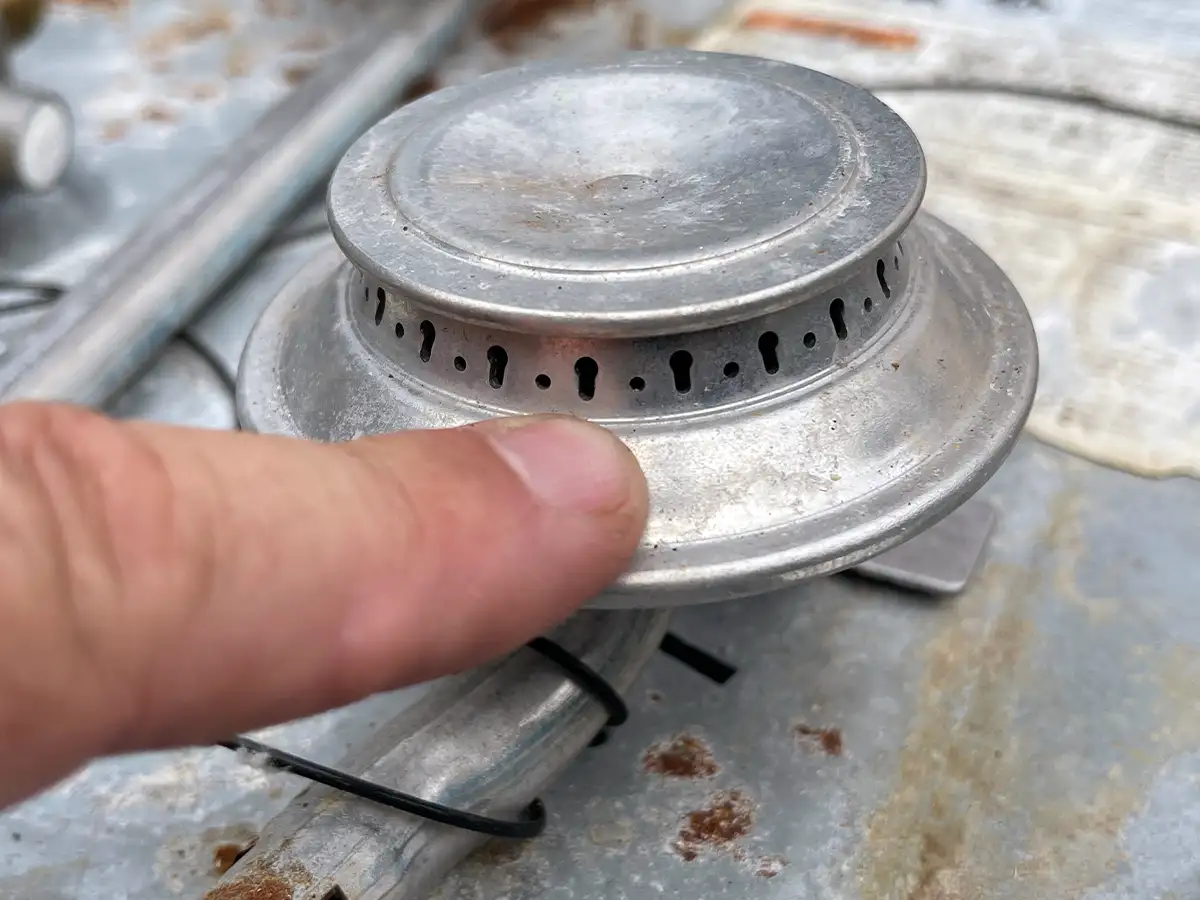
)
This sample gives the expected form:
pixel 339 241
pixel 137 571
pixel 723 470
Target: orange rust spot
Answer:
pixel 225 855
pixel 261 884
pixel 828 739
pixel 858 33
pixel 728 817
pixel 683 756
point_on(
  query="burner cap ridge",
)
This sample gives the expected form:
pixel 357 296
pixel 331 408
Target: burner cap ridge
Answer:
pixel 592 198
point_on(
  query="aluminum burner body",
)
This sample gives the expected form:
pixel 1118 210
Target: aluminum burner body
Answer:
pixel 720 258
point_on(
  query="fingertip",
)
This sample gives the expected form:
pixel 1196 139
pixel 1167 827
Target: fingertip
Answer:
pixel 571 464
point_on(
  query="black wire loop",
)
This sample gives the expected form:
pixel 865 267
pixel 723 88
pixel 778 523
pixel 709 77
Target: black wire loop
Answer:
pixel 585 677
pixel 529 824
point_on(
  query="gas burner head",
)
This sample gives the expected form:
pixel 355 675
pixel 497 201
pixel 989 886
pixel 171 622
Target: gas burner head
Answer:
pixel 720 258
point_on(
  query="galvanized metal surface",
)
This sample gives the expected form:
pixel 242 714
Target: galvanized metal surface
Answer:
pixel 167 272
pixel 1068 146
pixel 1037 737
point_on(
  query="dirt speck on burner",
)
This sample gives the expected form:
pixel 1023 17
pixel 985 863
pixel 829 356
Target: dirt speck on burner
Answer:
pixel 829 740
pixel 683 756
pixel 728 817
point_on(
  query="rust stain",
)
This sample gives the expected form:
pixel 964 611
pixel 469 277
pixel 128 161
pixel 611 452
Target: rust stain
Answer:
pixel 859 33
pixel 728 818
pixel 158 112
pixel 260 883
pixel 972 807
pixel 506 22
pixel 770 866
pixel 309 42
pixel 683 756
pixel 639 31
pixel 297 73
pixel 193 29
pixel 499 853
pixel 21 18
pixel 226 854
pixel 202 91
pixel 239 61
pixel 920 842
pixel 114 130
pixel 829 740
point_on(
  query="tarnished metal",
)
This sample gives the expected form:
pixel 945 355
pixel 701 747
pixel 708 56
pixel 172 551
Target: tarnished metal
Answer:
pixel 36 137
pixel 807 374
pixel 140 296
pixel 488 741
pixel 37 134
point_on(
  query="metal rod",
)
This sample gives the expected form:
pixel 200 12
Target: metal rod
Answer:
pixel 488 741
pixel 106 331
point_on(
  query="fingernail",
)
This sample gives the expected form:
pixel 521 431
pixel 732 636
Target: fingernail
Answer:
pixel 567 463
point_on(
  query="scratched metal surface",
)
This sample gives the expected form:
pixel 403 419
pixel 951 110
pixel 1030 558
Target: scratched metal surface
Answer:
pixel 1035 737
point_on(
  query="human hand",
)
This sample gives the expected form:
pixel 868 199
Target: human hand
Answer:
pixel 165 586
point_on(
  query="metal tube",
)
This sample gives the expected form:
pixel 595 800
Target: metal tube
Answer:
pixel 107 330
pixel 37 138
pixel 488 741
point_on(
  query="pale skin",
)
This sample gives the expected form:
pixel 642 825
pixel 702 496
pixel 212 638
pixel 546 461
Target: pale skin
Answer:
pixel 164 586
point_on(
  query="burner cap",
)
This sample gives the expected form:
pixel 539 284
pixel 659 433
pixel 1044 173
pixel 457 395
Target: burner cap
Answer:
pixel 718 257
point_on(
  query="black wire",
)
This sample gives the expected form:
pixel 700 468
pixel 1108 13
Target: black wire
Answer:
pixel 585 677
pixel 529 824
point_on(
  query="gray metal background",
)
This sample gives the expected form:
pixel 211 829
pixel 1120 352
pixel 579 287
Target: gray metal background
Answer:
pixel 1038 736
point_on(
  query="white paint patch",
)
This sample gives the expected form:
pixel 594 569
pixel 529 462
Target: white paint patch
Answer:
pixel 1092 213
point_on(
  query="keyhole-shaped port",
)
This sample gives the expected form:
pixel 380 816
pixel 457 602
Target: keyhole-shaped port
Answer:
pixel 768 349
pixel 837 314
pixel 381 302
pixel 881 274
pixel 586 371
pixel 497 362
pixel 428 334
pixel 681 368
